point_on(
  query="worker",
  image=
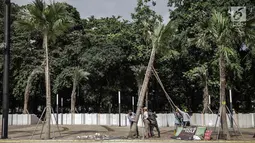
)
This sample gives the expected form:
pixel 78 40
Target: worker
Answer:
pixel 131 118
pixel 146 122
pixel 178 120
pixel 153 123
pixel 185 117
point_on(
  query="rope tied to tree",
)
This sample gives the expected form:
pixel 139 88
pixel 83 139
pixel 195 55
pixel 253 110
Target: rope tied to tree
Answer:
pixel 162 86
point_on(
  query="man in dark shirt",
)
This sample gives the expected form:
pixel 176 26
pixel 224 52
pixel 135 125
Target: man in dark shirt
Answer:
pixel 153 123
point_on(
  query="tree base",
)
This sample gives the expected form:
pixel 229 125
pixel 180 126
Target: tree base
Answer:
pixel 43 122
pixel 132 134
pixel 223 136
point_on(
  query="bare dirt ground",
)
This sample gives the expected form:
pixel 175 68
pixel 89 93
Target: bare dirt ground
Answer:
pixel 77 132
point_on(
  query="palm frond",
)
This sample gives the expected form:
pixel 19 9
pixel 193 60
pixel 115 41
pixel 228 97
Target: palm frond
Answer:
pixel 79 74
pixel 52 19
pixel 227 52
pixel 37 12
pixel 199 72
pixel 157 33
pixel 40 5
pixel 83 74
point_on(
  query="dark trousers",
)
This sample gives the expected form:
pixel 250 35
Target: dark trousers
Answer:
pixel 152 125
pixel 186 123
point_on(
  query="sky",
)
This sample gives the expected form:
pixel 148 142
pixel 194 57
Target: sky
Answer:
pixel 107 8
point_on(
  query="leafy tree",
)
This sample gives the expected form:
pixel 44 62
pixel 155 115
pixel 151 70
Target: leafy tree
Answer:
pixel 51 20
pixel 105 58
pixel 139 72
pixel 65 64
pixel 192 19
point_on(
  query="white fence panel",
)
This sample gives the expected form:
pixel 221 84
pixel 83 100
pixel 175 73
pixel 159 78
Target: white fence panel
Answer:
pixel 170 119
pixel 77 119
pixel 103 120
pixel 115 119
pixel 94 119
pixel 88 118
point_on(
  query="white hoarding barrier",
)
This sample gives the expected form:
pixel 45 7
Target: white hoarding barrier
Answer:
pixel 164 120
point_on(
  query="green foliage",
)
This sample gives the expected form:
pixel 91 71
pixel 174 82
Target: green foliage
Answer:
pixel 198 73
pixel 50 19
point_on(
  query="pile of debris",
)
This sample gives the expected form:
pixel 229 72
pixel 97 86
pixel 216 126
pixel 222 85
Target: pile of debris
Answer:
pixel 96 136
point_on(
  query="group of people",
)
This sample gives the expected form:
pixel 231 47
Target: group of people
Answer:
pixel 149 120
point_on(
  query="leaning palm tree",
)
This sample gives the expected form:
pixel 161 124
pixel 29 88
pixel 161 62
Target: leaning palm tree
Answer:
pixel 155 40
pixel 78 75
pixel 36 71
pixel 51 20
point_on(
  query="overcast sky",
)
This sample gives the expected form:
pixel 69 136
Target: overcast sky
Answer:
pixel 107 8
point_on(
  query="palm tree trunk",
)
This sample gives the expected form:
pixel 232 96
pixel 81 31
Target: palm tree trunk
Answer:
pixel 224 124
pixel 73 100
pixel 146 99
pixel 206 98
pixel 27 92
pixel 47 83
pixel 139 85
pixel 133 132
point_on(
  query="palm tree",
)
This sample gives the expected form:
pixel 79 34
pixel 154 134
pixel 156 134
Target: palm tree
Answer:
pixel 155 38
pixel 30 79
pixel 201 72
pixel 51 20
pixel 223 33
pixel 78 75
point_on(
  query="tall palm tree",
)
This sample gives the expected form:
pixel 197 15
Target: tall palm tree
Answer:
pixel 155 40
pixel 222 31
pixel 224 34
pixel 51 20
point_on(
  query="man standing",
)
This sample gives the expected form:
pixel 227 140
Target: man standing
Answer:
pixel 146 122
pixel 153 123
pixel 131 118
pixel 178 120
